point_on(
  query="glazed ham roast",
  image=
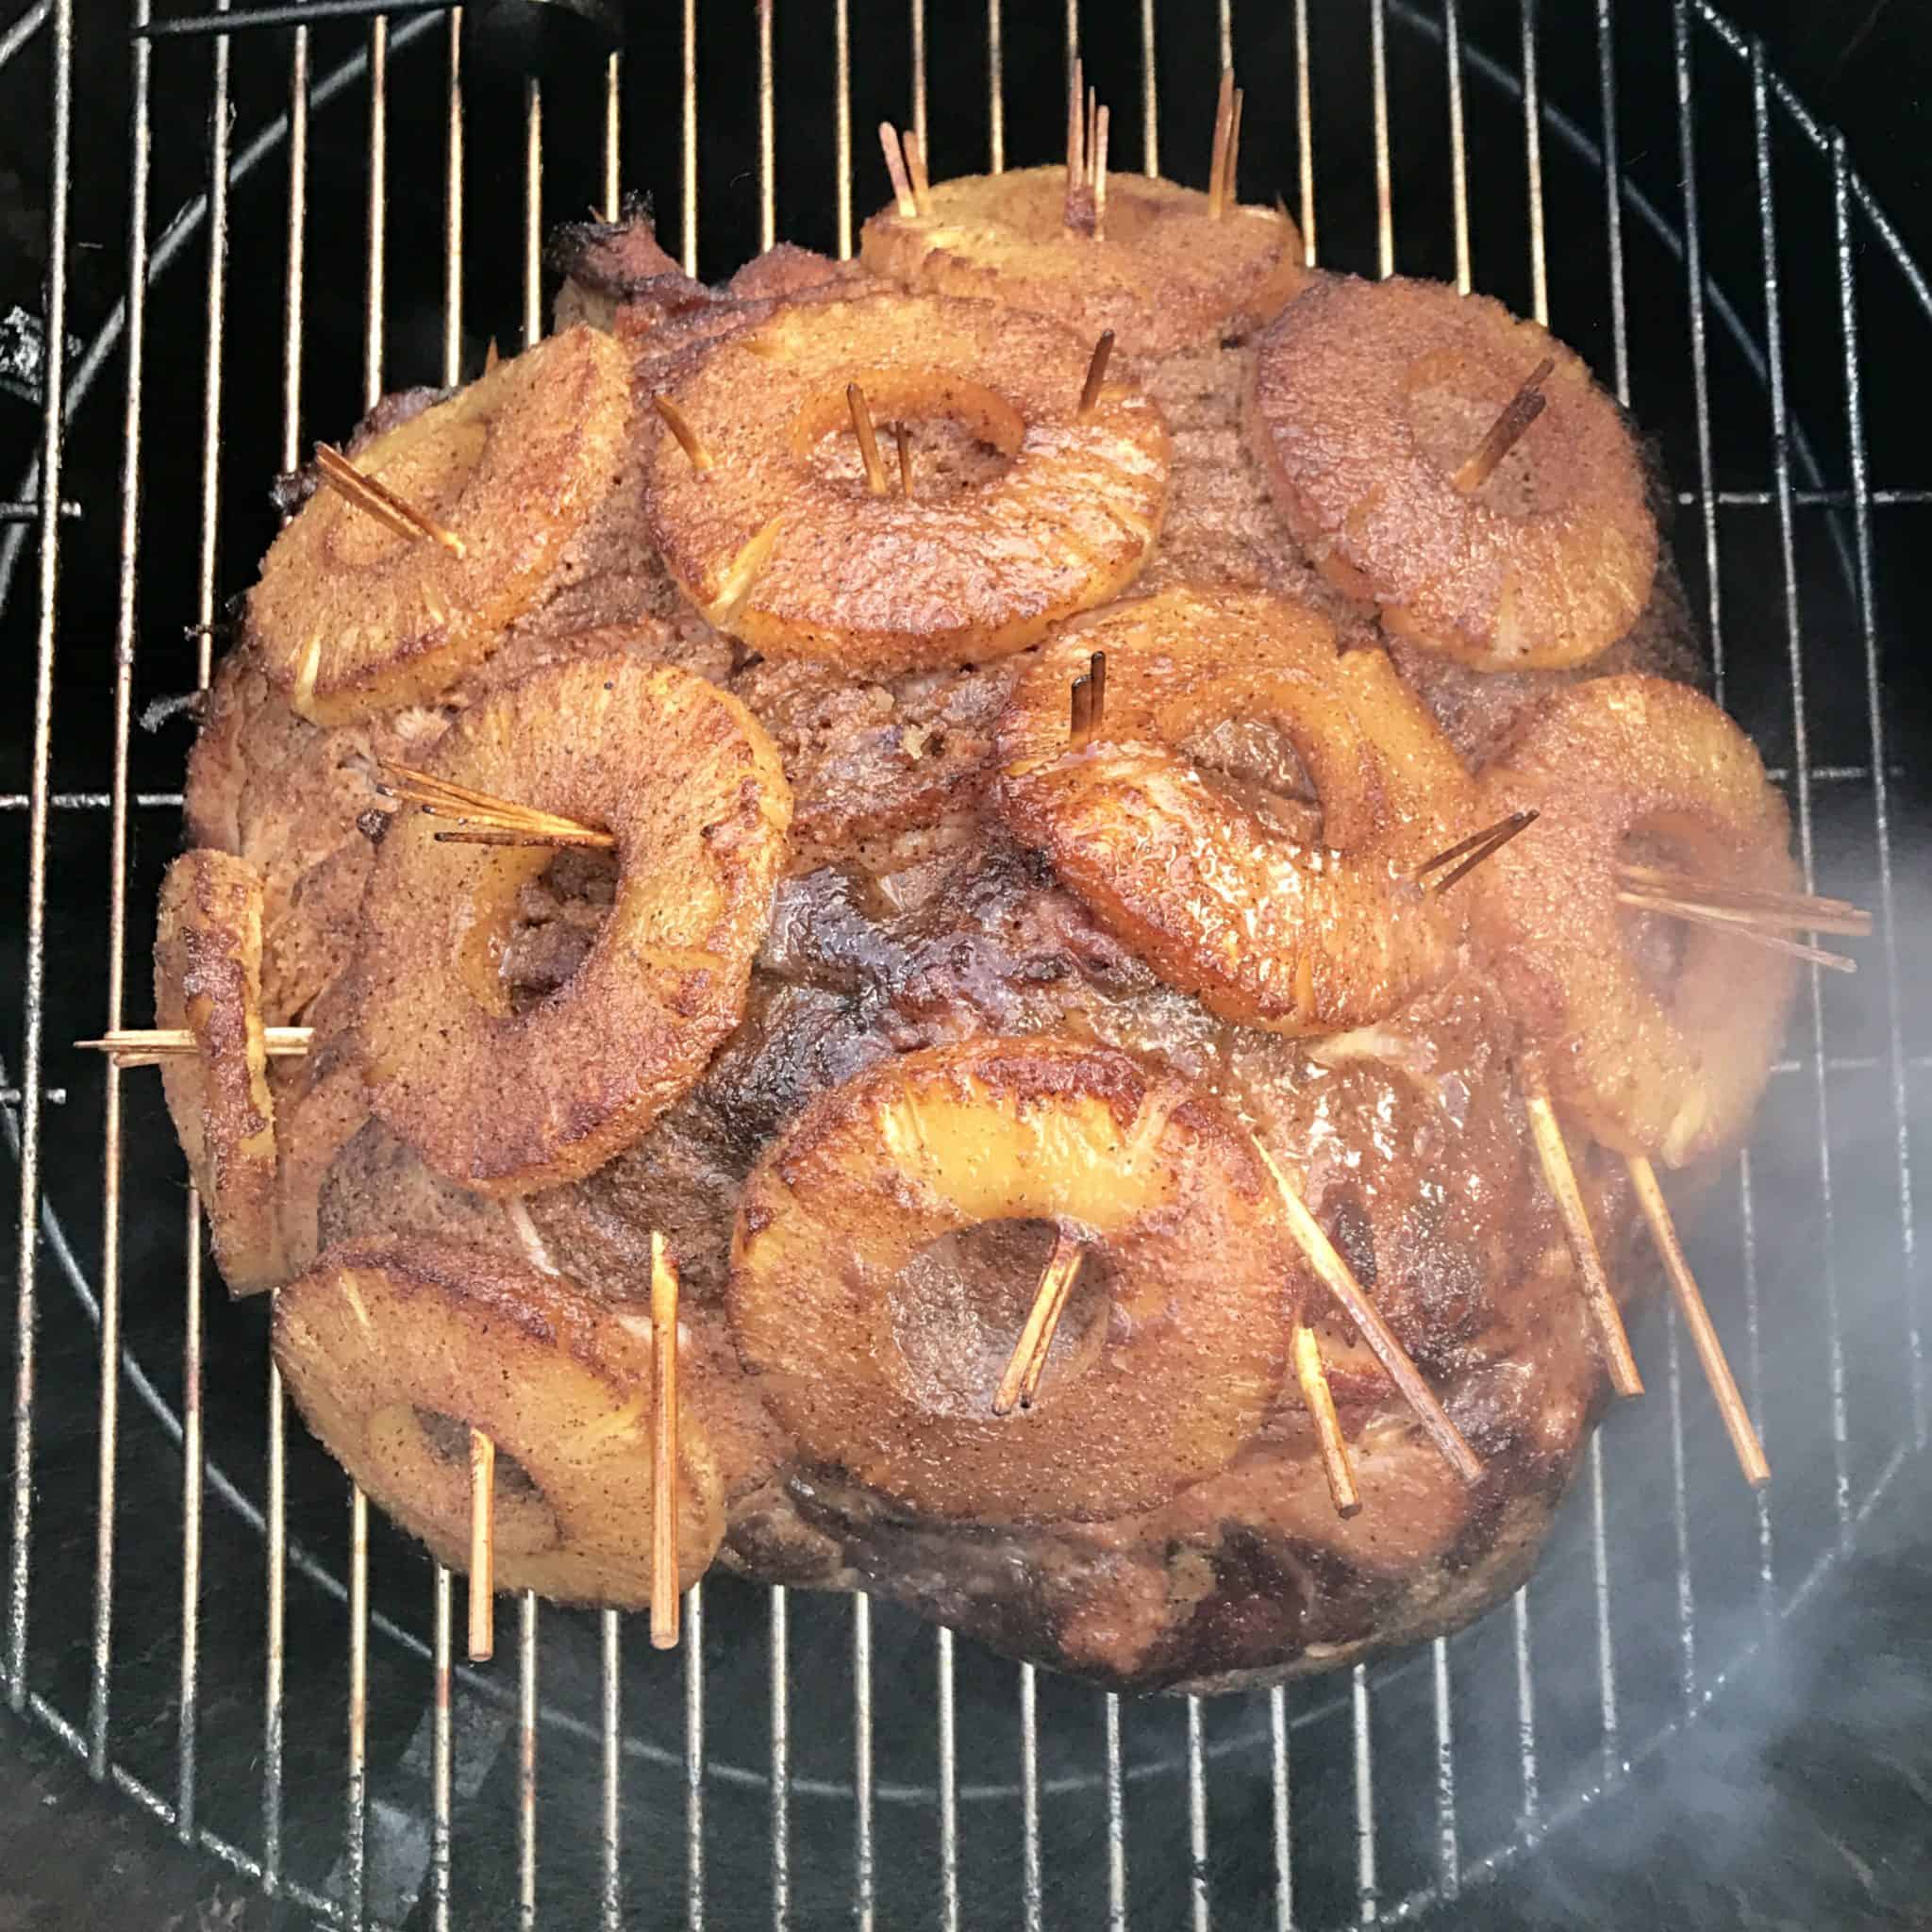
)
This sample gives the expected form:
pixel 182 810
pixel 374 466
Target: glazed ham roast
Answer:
pixel 847 939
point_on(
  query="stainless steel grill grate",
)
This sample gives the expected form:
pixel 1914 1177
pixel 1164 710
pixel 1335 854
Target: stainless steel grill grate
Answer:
pixel 931 1766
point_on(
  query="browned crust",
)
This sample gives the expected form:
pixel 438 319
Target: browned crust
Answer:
pixel 1167 275
pixel 1265 927
pixel 692 789
pixel 1168 1197
pixel 796 561
pixel 1505 582
pixel 381 1331
pixel 207 978
pixel 353 618
pixel 1599 761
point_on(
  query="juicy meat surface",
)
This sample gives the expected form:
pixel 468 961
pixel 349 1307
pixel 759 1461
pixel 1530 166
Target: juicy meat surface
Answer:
pixel 909 920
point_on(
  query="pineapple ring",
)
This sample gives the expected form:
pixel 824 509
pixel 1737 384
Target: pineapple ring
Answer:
pixel 1368 395
pixel 1190 1285
pixel 1225 900
pixel 353 618
pixel 1676 1077
pixel 787 550
pixel 207 978
pixel 1165 275
pixel 693 788
pixel 395 1349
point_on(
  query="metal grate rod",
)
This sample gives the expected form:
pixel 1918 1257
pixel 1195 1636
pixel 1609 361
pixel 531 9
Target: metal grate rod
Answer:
pixel 842 111
pixel 440 1755
pixel 917 25
pixel 949 1784
pixel 996 89
pixel 1150 93
pixel 1366 1881
pixel 1282 1816
pixel 1881 776
pixel 1116 1818
pixel 1197 1817
pixel 1794 644
pixel 124 641
pixel 781 1759
pixel 610 1677
pixel 690 171
pixel 694 1757
pixel 1385 191
pixel 1031 1897
pixel 768 133
pixel 26 1252
pixel 614 137
pixel 526 1760
pixel 865 1875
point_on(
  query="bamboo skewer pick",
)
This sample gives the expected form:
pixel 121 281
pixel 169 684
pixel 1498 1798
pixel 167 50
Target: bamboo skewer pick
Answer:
pixel 679 425
pixel 487 820
pixel 378 501
pixel 1320 1399
pixel 1020 1381
pixel 482 1548
pixel 490 357
pixel 664 1602
pixel 1096 372
pixel 1519 412
pixel 915 162
pixel 1782 911
pixel 1223 122
pixel 1740 923
pixel 905 443
pixel 148 1046
pixel 1339 1278
pixel 895 167
pixel 1560 1178
pixel 1096 688
pixel 1080 720
pixel 1479 845
pixel 868 443
pixel 1704 1336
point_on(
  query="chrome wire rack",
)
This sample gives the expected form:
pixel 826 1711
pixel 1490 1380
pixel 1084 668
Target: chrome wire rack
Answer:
pixel 197 1607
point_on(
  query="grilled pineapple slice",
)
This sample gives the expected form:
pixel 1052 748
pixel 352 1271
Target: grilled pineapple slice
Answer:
pixel 354 617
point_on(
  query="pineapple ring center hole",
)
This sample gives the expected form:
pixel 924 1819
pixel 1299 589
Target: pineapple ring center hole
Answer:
pixel 961 437
pixel 958 1305
pixel 429 471
pixel 1450 401
pixel 537 927
pixel 1252 762
pixel 449 1442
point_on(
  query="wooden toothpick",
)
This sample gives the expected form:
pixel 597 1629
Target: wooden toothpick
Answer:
pixel 1320 1399
pixel 1704 1336
pixel 1096 372
pixel 148 1046
pixel 664 1483
pixel 482 1547
pixel 1020 1381
pixel 1479 846
pixel 915 162
pixel 679 425
pixel 868 443
pixel 1560 1178
pixel 895 167
pixel 377 500
pixel 1339 1278
pixel 1519 412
